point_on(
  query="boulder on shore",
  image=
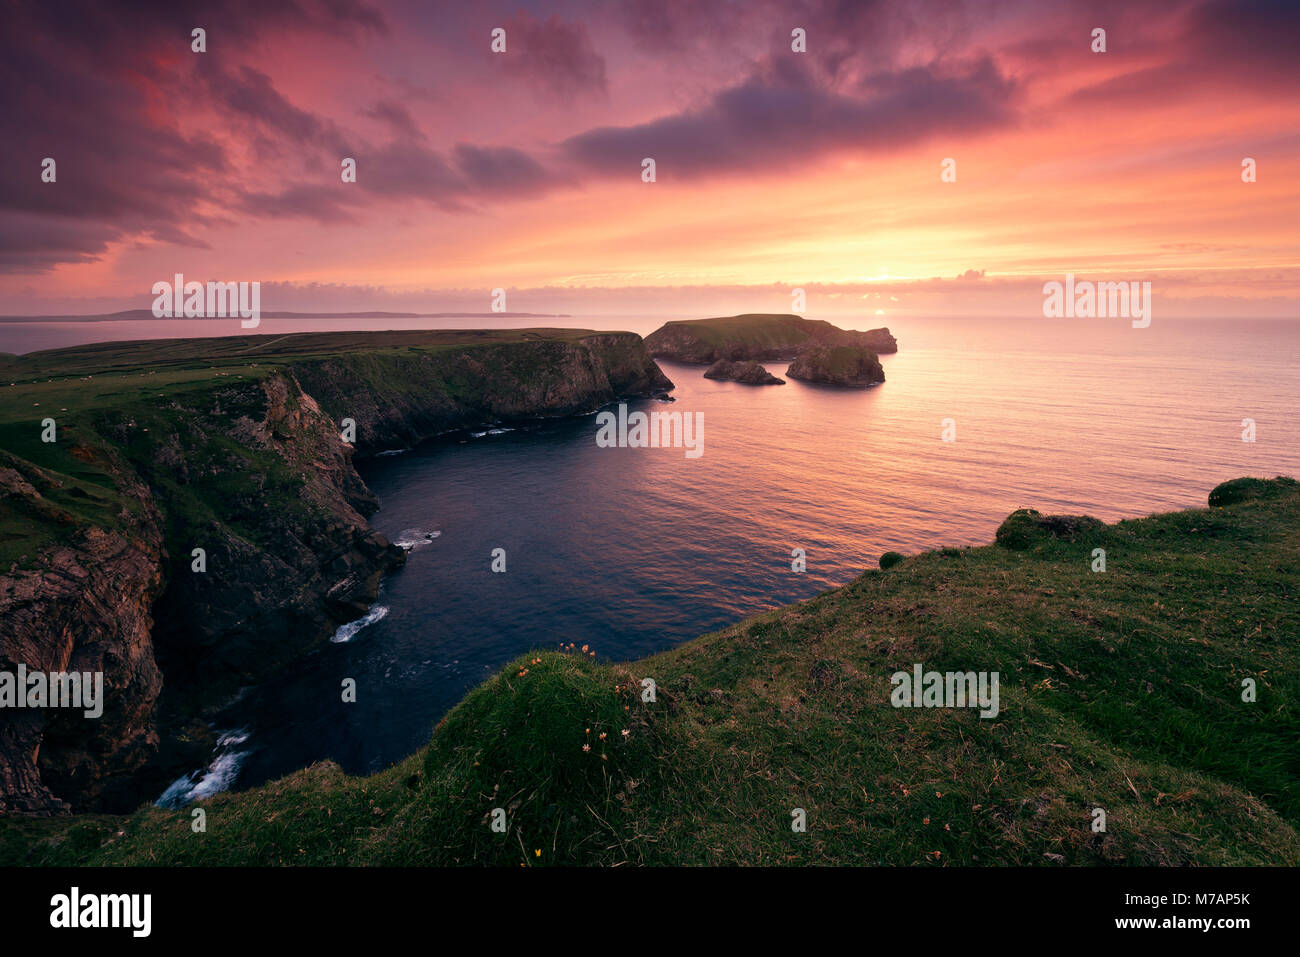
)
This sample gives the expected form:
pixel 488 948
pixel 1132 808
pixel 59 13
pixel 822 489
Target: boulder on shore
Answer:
pixel 750 373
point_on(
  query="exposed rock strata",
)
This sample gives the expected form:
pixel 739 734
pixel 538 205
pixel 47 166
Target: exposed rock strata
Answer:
pixel 255 473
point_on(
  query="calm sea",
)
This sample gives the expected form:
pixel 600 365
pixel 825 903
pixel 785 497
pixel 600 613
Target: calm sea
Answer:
pixel 635 550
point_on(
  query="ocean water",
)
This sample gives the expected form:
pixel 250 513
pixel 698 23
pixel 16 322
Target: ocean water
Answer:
pixel 635 550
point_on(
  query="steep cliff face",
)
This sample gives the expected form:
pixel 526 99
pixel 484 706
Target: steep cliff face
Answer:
pixel 83 606
pixel 399 400
pixel 250 468
pixel 256 476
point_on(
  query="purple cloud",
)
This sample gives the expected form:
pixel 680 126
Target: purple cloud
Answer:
pixel 397 117
pixel 783 114
pixel 500 170
pixel 94 87
pixel 554 55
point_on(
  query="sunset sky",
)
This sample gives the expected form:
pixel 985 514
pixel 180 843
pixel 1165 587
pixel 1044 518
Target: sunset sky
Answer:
pixel 775 169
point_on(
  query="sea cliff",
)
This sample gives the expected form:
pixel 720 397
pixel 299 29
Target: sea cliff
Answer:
pixel 197 523
pixel 1115 680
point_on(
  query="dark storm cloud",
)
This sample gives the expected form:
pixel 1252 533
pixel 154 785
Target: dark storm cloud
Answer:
pixel 784 115
pixel 665 26
pixel 249 94
pixel 1244 45
pixel 152 140
pixel 554 54
pixel 90 85
pixel 408 170
pixel 324 204
pixel 500 170
pixel 397 117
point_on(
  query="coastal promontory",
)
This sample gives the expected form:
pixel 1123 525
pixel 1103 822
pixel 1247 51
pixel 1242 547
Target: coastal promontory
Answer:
pixel 198 524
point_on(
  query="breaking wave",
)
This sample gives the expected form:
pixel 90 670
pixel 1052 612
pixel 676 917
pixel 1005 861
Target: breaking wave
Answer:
pixel 348 632
pixel 219 775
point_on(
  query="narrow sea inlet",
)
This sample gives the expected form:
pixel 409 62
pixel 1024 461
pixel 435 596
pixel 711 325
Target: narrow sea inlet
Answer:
pixel 633 550
pixel 649 434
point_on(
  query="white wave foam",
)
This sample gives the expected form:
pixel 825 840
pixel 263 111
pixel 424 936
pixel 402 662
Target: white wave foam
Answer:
pixel 233 737
pixel 219 775
pixel 348 632
pixel 415 537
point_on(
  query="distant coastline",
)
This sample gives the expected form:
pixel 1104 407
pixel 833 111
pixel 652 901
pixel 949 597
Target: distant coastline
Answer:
pixel 134 315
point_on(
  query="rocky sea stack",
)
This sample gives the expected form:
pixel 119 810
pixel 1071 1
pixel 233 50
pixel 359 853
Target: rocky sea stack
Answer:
pixel 852 367
pixel 758 337
pixel 749 373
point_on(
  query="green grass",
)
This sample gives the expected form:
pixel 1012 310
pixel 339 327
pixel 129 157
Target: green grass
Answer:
pixel 116 401
pixel 64 382
pixel 838 360
pixel 755 330
pixel 1119 690
pixel 235 351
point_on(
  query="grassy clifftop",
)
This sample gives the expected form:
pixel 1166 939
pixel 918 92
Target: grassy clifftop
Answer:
pixel 1120 690
pixel 399 387
pixel 189 509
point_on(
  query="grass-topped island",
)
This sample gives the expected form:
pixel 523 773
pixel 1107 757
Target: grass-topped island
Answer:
pixel 757 337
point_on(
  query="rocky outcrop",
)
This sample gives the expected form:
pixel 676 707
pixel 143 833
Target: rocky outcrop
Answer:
pixel 880 341
pixel 252 470
pixel 281 518
pixel 758 337
pixel 749 373
pixel 83 605
pixel 399 400
pixel 847 366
